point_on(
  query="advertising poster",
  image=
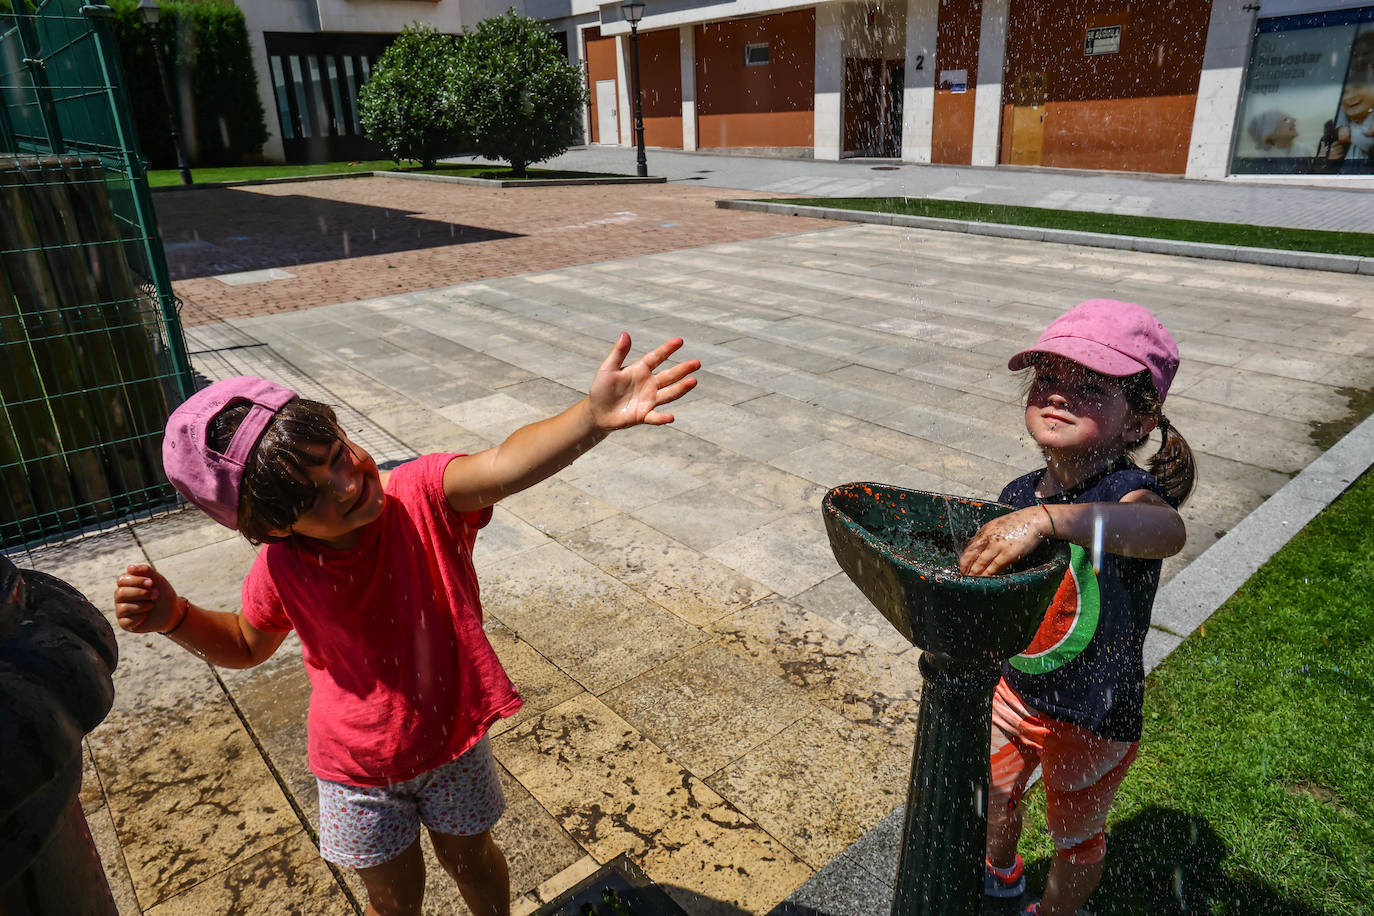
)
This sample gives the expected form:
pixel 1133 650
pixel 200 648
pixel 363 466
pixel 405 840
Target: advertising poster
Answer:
pixel 1308 101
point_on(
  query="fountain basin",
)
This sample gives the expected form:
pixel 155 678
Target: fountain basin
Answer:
pixel 901 548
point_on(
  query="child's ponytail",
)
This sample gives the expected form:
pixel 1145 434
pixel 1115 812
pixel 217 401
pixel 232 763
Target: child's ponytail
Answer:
pixel 1173 465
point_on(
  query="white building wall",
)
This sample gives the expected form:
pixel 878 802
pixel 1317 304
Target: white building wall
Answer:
pixel 671 14
pixel 1218 91
pixel 622 90
pixel 274 16
pixel 918 95
pixel 828 129
pixel 987 104
pixel 394 15
pixel 686 44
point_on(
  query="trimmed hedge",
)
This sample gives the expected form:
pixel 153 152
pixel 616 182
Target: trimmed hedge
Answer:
pixel 205 46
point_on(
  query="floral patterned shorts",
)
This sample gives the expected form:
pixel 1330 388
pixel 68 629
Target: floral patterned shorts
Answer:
pixel 362 827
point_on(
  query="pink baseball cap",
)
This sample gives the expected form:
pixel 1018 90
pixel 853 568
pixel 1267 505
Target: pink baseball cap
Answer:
pixel 1110 337
pixel 203 475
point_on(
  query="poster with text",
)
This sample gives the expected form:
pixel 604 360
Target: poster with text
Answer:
pixel 1308 100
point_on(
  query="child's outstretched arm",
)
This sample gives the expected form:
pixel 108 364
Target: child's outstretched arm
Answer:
pixel 1140 525
pixel 145 602
pixel 620 397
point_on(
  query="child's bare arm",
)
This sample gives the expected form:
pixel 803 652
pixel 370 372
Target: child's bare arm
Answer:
pixel 619 397
pixel 1140 525
pixel 145 602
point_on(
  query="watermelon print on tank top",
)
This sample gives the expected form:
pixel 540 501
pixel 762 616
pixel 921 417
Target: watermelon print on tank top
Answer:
pixel 1069 623
pixel 1085 664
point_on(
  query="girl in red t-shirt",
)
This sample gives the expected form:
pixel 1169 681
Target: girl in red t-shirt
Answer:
pixel 373 571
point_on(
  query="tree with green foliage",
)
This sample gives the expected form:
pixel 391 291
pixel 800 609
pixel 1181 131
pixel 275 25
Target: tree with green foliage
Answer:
pixel 407 106
pixel 516 91
pixel 208 52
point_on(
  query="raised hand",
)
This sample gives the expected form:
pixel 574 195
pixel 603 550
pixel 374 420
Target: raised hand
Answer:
pixel 145 602
pixel 623 396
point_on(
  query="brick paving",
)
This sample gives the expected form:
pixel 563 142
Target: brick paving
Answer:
pixel 363 238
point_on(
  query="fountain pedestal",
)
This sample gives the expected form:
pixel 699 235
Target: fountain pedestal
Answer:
pixel 901 548
pixel 57 654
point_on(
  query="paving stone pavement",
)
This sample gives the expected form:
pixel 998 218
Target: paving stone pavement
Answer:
pixel 705 690
pixel 259 249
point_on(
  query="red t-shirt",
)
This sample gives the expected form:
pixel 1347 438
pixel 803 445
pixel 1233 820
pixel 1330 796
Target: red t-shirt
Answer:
pixel 402 676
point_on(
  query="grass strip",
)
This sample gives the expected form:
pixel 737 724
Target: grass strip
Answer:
pixel 1179 230
pixel 1254 790
pixel 164 177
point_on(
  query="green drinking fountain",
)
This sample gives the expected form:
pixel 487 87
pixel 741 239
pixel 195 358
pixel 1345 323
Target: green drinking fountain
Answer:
pixel 901 548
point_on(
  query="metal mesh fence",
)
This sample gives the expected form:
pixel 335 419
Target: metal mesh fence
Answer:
pixel 91 351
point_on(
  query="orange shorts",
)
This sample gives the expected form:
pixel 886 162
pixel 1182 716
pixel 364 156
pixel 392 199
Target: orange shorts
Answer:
pixel 1081 771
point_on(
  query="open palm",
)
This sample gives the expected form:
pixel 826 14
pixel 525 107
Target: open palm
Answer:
pixel 623 396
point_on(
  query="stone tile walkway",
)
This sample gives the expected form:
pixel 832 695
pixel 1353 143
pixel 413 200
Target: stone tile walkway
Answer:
pixel 705 690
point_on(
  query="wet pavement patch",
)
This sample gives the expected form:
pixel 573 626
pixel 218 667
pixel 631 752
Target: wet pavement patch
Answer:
pixel 1359 404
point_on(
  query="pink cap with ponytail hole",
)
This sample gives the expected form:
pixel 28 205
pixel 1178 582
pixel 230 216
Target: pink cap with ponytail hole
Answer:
pixel 1110 337
pixel 204 476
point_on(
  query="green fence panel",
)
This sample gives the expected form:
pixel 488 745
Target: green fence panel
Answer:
pixel 92 356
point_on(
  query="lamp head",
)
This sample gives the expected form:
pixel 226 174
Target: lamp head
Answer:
pixel 633 11
pixel 148 12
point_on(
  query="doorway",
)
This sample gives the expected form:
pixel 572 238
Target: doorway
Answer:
pixel 607 115
pixel 863 103
pixel 1027 118
pixel 896 83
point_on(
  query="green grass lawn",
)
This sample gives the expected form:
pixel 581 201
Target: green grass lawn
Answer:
pixel 1254 790
pixel 1182 230
pixel 164 177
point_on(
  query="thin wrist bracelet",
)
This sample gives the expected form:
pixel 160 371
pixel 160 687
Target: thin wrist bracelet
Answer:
pixel 185 612
pixel 1053 533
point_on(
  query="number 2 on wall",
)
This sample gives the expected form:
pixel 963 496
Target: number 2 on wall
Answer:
pixel 920 61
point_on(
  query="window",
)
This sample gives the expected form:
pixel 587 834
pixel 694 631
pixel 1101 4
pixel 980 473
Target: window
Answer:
pixel 756 55
pixel 1305 106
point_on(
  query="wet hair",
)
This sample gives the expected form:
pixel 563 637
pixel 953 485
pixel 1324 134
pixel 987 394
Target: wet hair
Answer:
pixel 276 486
pixel 1172 465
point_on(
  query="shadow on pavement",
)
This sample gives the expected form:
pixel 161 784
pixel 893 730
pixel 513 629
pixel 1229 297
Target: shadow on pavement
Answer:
pixel 228 230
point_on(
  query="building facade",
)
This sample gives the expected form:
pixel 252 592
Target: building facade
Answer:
pixel 1203 89
pixel 312 56
pixel 1192 87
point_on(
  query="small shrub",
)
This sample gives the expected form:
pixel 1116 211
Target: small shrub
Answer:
pixel 516 91
pixel 407 106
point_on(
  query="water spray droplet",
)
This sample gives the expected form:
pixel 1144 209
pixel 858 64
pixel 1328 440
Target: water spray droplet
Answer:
pixel 1097 541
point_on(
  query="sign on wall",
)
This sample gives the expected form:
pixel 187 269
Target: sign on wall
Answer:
pixel 1308 101
pixel 954 80
pixel 1104 39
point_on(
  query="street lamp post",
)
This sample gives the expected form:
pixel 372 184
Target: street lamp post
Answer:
pixel 634 11
pixel 148 13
